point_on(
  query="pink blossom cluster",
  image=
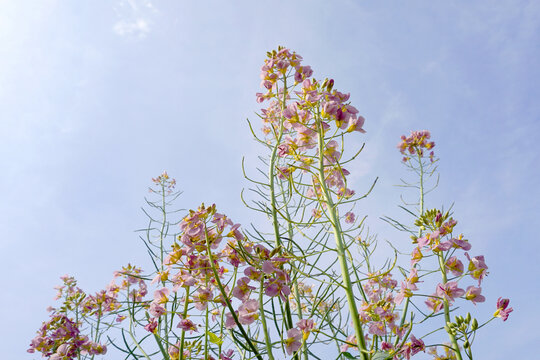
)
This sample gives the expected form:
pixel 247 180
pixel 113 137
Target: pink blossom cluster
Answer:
pixel 165 182
pixel 379 316
pixel 297 119
pixel 415 144
pixel 131 280
pixel 60 339
pixel 378 312
pixel 199 250
pixel 298 334
pixel 440 241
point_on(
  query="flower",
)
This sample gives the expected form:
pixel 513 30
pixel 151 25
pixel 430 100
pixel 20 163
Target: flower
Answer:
pixel 306 325
pixel 502 309
pixel 187 325
pixel 434 303
pixel 248 312
pixel 151 326
pixel 449 291
pixel 473 294
pixel 293 340
pixel 477 267
pixel 349 217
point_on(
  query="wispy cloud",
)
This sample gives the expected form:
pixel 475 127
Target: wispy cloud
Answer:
pixel 134 18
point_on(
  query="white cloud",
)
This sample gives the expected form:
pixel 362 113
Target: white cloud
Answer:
pixel 134 18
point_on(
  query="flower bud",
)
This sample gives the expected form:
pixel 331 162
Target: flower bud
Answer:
pixel 447 328
pixel 275 251
pixel 468 318
pixel 474 325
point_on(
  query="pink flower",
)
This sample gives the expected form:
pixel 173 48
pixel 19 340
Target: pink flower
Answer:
pixel 248 312
pixel 477 267
pixel 202 297
pixel 160 296
pixel 351 339
pixel 412 278
pixel 454 265
pixel 434 303
pixel 461 243
pixel 349 217
pixel 413 347
pixel 174 351
pixel 151 326
pixel 473 294
pixel 502 309
pixel 242 289
pixel 293 340
pixel 406 291
pixel 377 328
pixel 449 291
pixel 229 321
pixel 156 310
pixel 267 267
pixel 187 325
pixel 227 355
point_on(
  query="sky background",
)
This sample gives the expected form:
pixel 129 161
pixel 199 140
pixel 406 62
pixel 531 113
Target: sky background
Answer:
pixel 98 97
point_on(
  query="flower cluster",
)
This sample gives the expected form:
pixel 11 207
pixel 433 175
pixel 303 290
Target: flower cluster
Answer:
pixel 164 182
pixel 306 122
pixel 441 242
pixel 415 144
pixel 213 287
pixel 60 339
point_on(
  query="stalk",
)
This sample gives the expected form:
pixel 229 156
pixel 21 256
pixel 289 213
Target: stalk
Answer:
pixel 421 203
pixel 295 280
pixel 453 340
pixel 271 178
pixel 340 247
pixel 184 314
pixel 267 339
pixel 227 301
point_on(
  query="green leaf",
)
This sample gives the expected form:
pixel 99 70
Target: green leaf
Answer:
pixel 214 339
pixel 381 356
pixel 348 355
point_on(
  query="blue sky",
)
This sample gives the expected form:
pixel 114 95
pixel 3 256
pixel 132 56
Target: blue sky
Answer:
pixel 96 98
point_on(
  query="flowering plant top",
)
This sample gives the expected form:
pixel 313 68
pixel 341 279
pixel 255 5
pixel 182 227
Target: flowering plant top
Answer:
pixel 221 291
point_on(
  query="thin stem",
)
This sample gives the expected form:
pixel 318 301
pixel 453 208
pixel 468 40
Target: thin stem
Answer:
pixel 226 298
pixel 184 314
pixel 340 247
pixel 455 345
pixel 267 339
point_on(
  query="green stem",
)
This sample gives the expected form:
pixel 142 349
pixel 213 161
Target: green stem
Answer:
pixel 340 248
pixel 267 339
pixel 293 276
pixel 226 299
pixel 130 332
pixel 184 314
pixel 273 202
pixel 453 340
pixel 421 203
